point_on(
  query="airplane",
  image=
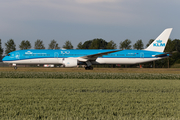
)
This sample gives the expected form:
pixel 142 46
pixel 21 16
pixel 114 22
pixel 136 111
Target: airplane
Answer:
pixel 89 57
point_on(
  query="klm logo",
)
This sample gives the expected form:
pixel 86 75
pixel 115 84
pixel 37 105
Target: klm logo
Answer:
pixel 159 44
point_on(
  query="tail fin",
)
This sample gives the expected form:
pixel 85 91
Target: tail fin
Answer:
pixel 160 42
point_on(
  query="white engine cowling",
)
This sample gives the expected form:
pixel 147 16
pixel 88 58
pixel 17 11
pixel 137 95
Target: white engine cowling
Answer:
pixel 68 62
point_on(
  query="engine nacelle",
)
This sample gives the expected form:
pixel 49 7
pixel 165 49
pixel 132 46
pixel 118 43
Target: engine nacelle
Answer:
pixel 69 62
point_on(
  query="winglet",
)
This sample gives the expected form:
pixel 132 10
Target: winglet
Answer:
pixel 160 42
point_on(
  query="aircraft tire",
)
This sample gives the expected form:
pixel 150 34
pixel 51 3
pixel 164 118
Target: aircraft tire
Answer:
pixel 15 67
pixel 86 68
pixel 89 68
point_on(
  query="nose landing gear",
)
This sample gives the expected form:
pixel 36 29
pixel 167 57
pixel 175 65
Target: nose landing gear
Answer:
pixel 15 67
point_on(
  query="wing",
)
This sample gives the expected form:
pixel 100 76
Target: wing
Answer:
pixel 95 56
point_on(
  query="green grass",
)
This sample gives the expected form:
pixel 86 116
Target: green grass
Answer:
pixel 95 70
pixel 75 75
pixel 175 66
pixel 81 99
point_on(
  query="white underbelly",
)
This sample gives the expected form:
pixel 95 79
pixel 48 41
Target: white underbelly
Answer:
pixel 124 60
pixel 37 61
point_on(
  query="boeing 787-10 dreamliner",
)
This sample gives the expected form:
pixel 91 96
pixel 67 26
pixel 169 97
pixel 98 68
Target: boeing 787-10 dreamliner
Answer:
pixel 89 57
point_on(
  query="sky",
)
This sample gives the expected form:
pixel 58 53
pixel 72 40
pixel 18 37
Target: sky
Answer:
pixel 82 20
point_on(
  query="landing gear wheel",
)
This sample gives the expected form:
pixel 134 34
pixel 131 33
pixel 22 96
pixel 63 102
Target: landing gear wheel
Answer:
pixel 89 68
pixel 15 67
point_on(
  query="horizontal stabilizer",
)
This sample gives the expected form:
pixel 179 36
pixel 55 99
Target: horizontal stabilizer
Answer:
pixel 166 54
pixel 163 55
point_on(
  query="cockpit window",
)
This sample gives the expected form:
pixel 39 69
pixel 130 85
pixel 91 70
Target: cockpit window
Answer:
pixel 9 55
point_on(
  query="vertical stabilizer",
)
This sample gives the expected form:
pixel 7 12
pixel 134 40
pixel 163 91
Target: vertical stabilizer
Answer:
pixel 160 42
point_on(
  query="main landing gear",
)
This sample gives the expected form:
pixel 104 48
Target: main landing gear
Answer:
pixel 89 68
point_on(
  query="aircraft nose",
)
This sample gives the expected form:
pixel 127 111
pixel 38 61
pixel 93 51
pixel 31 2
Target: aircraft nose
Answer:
pixel 4 59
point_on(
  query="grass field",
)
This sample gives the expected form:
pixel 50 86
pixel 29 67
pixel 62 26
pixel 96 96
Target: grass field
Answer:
pixel 95 70
pixel 81 99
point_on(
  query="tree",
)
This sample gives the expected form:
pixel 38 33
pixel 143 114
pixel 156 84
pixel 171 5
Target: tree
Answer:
pixel 125 44
pixel 174 47
pixel 10 46
pixel 176 44
pixel 150 41
pixel 1 50
pixel 98 44
pixel 170 46
pixel 87 44
pixel 111 45
pixel 25 44
pixel 39 44
pixel 80 46
pixel 53 45
pixel 68 45
pixel 138 45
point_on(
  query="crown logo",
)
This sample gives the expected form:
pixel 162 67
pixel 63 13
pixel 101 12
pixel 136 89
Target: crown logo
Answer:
pixel 158 41
pixel 28 52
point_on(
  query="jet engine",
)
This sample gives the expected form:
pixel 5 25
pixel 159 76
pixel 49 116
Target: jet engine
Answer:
pixel 68 62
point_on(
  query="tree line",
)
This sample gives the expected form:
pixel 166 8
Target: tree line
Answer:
pixel 98 43
pixel 90 44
